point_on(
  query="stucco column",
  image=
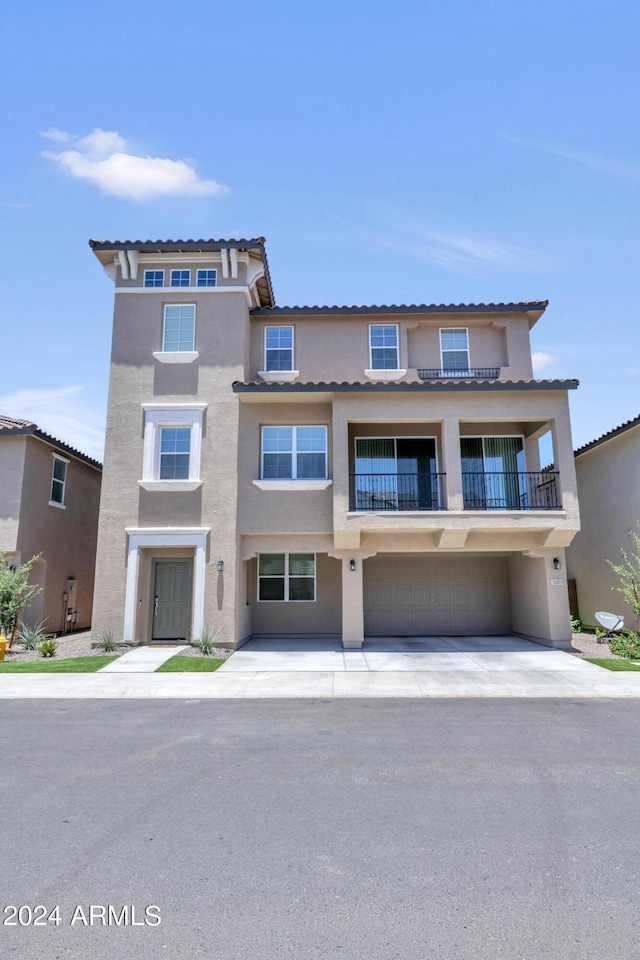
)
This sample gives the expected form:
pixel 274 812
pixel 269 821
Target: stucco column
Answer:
pixel 128 628
pixel 352 605
pixel 452 463
pixel 532 454
pixel 539 597
pixel 340 457
pixel 564 462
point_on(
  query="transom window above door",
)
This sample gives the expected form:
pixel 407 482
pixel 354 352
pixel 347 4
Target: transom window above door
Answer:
pixel 383 346
pixel 454 347
pixel 294 453
pixel 278 348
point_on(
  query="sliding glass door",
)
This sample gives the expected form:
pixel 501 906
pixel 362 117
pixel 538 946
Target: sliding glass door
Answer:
pixel 396 474
pixel 493 473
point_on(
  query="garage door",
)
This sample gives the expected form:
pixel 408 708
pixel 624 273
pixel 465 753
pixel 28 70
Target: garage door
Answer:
pixel 426 596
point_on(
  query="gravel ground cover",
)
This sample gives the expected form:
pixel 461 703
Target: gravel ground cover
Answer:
pixel 72 645
pixel 585 645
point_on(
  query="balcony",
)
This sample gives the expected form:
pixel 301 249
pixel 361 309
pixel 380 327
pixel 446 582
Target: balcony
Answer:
pixel 470 373
pixel 385 492
pixel 511 491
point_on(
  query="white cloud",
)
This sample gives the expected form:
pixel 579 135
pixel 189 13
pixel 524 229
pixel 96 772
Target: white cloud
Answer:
pixel 61 136
pixel 595 161
pixel 61 412
pixel 100 158
pixel 542 360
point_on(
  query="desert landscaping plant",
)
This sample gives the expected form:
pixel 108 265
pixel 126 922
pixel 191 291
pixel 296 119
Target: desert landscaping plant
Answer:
pixel 29 636
pixel 628 573
pixel 48 647
pixel 576 625
pixel 626 645
pixel 108 641
pixel 15 593
pixel 207 640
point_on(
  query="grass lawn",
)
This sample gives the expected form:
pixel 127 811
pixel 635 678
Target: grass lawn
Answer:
pixel 616 664
pixel 53 665
pixel 180 664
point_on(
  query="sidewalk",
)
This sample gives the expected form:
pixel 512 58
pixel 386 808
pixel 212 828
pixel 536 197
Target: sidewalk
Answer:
pixel 262 684
pixel 142 660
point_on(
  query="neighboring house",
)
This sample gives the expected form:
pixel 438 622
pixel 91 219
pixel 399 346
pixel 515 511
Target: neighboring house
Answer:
pixel 323 471
pixel 49 503
pixel 608 474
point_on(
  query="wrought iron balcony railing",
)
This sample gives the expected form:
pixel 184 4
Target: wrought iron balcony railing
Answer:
pixel 396 491
pixel 511 491
pixel 470 373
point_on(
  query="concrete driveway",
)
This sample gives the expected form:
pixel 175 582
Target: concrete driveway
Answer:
pixel 399 654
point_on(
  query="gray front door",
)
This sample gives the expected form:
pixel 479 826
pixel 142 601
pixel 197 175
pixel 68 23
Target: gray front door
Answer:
pixel 171 608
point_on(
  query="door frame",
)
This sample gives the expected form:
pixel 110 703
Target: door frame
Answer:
pixel 152 594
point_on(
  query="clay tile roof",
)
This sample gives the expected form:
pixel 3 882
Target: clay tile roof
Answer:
pixel 10 426
pixel 628 425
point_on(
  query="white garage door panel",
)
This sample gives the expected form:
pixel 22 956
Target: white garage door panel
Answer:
pixel 426 596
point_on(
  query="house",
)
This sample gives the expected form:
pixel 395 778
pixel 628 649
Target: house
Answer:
pixel 608 475
pixel 49 502
pixel 323 471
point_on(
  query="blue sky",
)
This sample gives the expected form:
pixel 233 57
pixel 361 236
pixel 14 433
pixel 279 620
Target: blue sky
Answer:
pixel 429 152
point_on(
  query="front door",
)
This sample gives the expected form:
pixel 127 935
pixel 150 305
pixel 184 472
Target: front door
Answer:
pixel 171 607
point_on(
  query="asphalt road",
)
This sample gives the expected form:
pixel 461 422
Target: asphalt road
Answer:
pixel 372 830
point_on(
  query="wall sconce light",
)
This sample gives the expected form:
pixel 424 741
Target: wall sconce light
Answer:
pixel 352 565
pixel 220 565
pixel 556 563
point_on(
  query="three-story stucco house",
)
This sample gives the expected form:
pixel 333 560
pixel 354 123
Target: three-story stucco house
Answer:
pixel 323 471
pixel 49 502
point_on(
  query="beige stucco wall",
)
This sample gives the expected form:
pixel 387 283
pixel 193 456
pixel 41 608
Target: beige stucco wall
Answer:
pixel 336 348
pixel 136 378
pixel 12 456
pixel 539 607
pixel 65 538
pixel 319 618
pixel 609 489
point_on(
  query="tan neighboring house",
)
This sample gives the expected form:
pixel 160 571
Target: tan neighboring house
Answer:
pixel 608 473
pixel 49 502
pixel 323 471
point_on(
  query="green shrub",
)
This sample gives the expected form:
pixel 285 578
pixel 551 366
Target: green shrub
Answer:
pixel 576 625
pixel 30 637
pixel 626 645
pixel 206 642
pixel 108 641
pixel 48 647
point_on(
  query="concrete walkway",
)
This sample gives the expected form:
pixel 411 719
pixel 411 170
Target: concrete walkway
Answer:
pixel 142 659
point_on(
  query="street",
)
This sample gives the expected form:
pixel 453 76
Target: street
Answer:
pixel 364 829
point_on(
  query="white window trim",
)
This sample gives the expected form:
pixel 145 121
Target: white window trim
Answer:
pixel 52 502
pixel 291 485
pixel 279 326
pixel 154 287
pixel 286 575
pixel 448 330
pixel 395 373
pixel 159 537
pixel 206 286
pixel 157 416
pixel 297 483
pixel 179 286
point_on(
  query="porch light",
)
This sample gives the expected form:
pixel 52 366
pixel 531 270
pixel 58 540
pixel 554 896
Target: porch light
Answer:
pixel 556 563
pixel 352 565
pixel 220 565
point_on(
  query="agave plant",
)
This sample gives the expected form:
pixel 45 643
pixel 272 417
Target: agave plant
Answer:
pixel 31 636
pixel 108 640
pixel 207 640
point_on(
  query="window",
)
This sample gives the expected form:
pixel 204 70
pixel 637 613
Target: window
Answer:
pixel 383 346
pixel 154 278
pixel 454 346
pixel 278 348
pixel 294 453
pixel 287 576
pixel 181 278
pixel 172 446
pixel 179 327
pixel 58 480
pixel 207 278
pixel 493 473
pixel 175 449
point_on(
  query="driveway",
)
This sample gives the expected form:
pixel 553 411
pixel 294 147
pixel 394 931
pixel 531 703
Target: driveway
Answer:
pixel 399 654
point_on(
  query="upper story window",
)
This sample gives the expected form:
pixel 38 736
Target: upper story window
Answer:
pixel 206 278
pixel 58 480
pixel 383 346
pixel 294 453
pixel 179 327
pixel 175 450
pixel 181 278
pixel 154 278
pixel 278 348
pixel 454 348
